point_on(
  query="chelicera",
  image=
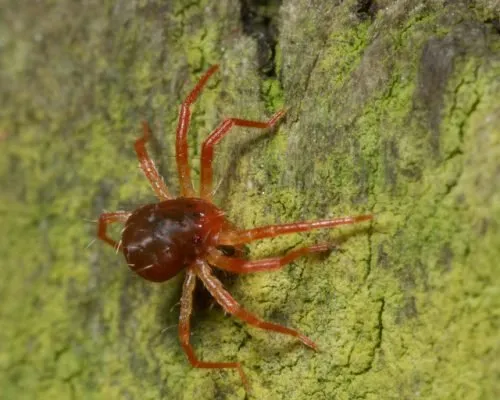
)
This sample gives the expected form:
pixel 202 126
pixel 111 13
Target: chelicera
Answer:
pixel 189 233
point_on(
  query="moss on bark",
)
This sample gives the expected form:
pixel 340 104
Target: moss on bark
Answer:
pixel 393 108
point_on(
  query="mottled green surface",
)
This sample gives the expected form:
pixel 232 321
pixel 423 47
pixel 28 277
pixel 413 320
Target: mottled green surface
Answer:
pixel 395 113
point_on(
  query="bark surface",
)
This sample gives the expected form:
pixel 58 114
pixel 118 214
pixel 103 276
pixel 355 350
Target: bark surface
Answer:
pixel 393 108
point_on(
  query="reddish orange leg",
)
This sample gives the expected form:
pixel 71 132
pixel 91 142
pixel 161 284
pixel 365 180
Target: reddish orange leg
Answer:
pixel 229 304
pixel 181 145
pixel 185 330
pixel 242 266
pixel 148 166
pixel 246 236
pixel 207 150
pixel 109 218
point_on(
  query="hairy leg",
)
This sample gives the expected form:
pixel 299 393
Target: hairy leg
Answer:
pixel 109 218
pixel 246 236
pixel 241 266
pixel 185 330
pixel 181 145
pixel 147 165
pixel 207 150
pixel 229 304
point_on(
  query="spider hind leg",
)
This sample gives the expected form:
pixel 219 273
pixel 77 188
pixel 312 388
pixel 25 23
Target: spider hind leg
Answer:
pixel 185 331
pixel 231 306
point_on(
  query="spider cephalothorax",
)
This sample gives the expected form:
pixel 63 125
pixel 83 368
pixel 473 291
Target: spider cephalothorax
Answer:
pixel 190 233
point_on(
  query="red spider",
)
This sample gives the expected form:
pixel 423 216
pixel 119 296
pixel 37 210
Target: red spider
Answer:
pixel 189 233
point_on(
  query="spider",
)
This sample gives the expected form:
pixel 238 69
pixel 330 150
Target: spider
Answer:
pixel 189 233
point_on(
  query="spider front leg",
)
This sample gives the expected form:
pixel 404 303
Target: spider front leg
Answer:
pixel 231 306
pixel 235 237
pixel 207 150
pixel 241 266
pixel 110 218
pixel 147 165
pixel 185 330
pixel 181 144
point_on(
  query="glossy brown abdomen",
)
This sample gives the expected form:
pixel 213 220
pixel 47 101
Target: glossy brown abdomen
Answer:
pixel 159 240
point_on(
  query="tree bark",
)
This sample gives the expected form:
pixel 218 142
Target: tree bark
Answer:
pixel 393 108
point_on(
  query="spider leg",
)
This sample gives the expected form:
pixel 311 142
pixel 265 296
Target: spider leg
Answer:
pixel 207 150
pixel 181 144
pixel 185 330
pixel 246 236
pixel 231 306
pixel 109 218
pixel 147 165
pixel 241 266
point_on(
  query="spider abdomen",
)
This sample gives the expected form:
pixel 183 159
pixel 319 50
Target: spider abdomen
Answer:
pixel 159 240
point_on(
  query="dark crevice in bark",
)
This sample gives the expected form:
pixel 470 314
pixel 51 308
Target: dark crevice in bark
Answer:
pixel 366 9
pixel 378 339
pixel 495 23
pixel 259 20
